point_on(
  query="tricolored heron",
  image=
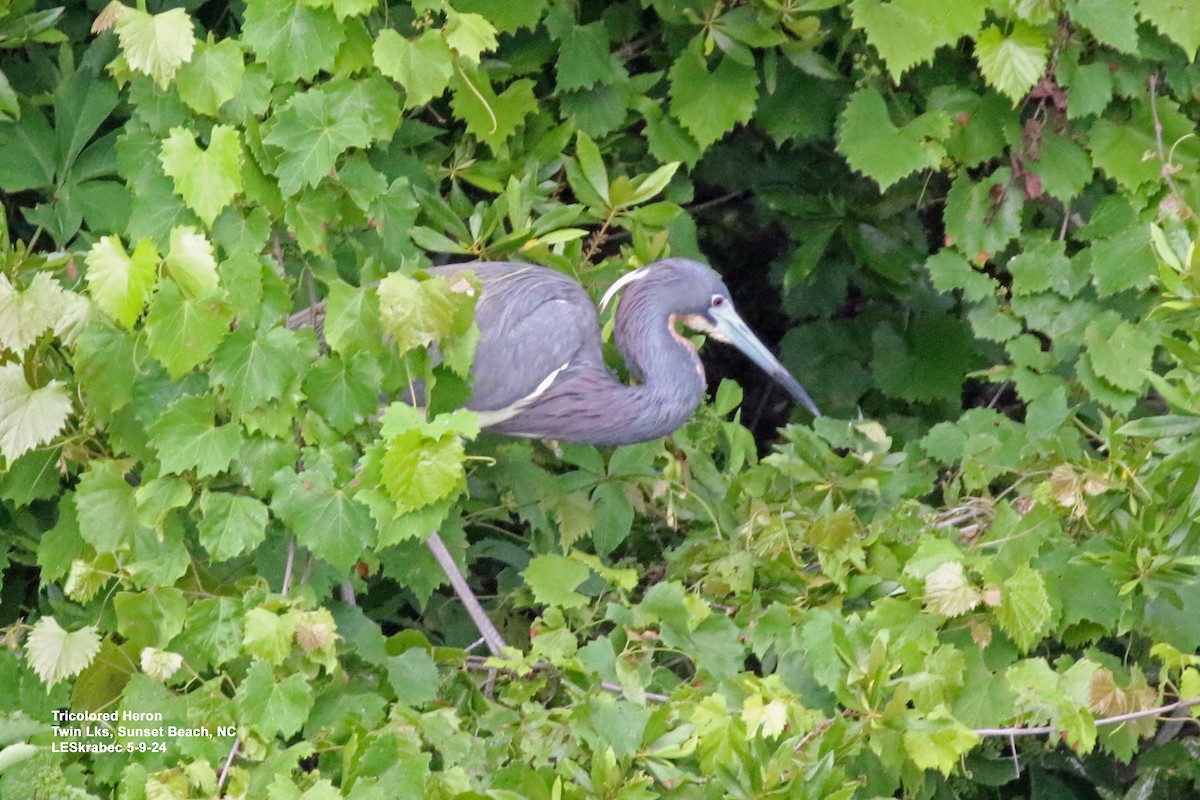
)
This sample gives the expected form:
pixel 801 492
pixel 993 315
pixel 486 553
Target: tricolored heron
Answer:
pixel 539 371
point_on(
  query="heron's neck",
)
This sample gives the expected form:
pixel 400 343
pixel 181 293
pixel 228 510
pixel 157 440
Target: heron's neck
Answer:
pixel 666 365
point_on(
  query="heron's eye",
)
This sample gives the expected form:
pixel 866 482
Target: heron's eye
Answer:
pixel 718 300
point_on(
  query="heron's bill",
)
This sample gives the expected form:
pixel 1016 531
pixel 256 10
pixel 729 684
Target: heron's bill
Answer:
pixel 734 330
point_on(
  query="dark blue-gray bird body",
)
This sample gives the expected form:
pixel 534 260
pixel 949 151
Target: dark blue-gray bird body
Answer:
pixel 539 370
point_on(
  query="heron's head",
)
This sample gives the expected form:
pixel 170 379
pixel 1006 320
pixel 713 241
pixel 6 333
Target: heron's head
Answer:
pixel 694 294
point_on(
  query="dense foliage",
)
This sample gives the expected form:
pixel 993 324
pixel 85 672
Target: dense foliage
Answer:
pixel 978 217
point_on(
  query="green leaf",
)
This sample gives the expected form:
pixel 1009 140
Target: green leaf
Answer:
pixel 949 270
pixel 156 44
pixel 413 677
pixel 231 524
pixel 909 32
pixel 118 282
pixel 55 655
pixel 107 508
pixel 151 618
pixel 294 40
pixel 105 368
pixel 26 315
pixel 255 369
pixel 492 118
pixel 469 35
pixel 983 217
pixel 28 416
pixel 27 150
pixel 419 470
pixel 327 520
pixel 187 438
pixel 936 740
pixel 1176 20
pixel 1112 22
pixel 1063 166
pixel 1120 150
pixel 1119 352
pixel 553 580
pixel 1123 261
pixel 212 77
pixel 583 58
pixel 929 362
pixel 344 390
pixel 352 319
pixel 207 180
pixel 419 313
pixel 312 132
pixel 876 147
pixel 1024 612
pixel 948 592
pixel 694 89
pixel 423 65
pixel 184 332
pixel 273 707
pixel 1012 64
pixel 191 263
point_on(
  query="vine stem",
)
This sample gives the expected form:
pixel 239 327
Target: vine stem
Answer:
pixel 228 763
pixel 1158 136
pixel 1041 730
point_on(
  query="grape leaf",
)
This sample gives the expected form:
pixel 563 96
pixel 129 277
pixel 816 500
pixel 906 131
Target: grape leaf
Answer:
pixel 553 579
pixel 55 655
pixel 156 44
pixel 1119 352
pixel 583 58
pixel 28 416
pixel 492 118
pixel 190 262
pixel 1013 63
pixel 876 147
pixel 254 369
pixel 213 76
pixel 419 470
pixel 26 315
pixel 184 332
pixel 413 676
pixel 469 35
pixel 118 282
pixel 231 524
pixel 344 390
pixel 1024 612
pixel 909 32
pixel 207 180
pixel 1176 20
pixel 292 39
pixel 273 707
pixel 313 132
pixel 187 438
pixel 328 521
pixel 694 92
pixel 1112 22
pixel 935 740
pixel 423 65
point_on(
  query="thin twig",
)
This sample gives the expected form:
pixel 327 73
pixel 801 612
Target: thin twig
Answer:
pixel 228 763
pixel 288 566
pixel 1158 136
pixel 1041 730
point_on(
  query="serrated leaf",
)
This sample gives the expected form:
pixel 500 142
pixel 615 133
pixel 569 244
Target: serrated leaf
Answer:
pixel 937 741
pixel 212 77
pixel 413 676
pixel 190 262
pixel 184 332
pixel 553 580
pixel 26 315
pixel 231 524
pixel 876 147
pixel 1112 22
pixel 423 65
pixel 416 313
pixel 1176 20
pixel 948 592
pixel 187 438
pixel 583 58
pixel 949 270
pixel 273 707
pixel 1012 64
pixel 1123 261
pixel 313 132
pixel 120 283
pixel 469 35
pixel 694 87
pixel 207 180
pixel 28 416
pixel 344 390
pixel 983 217
pixel 492 118
pixel 327 520
pixel 156 44
pixel 1063 166
pixel 1120 353
pixel 292 39
pixel 419 470
pixel 55 655
pixel 1024 611
pixel 909 32
pixel 254 369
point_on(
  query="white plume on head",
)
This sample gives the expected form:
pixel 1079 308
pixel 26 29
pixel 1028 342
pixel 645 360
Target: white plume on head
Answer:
pixel 621 283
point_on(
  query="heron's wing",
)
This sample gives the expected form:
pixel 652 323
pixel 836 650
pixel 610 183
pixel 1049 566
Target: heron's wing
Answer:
pixel 534 323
